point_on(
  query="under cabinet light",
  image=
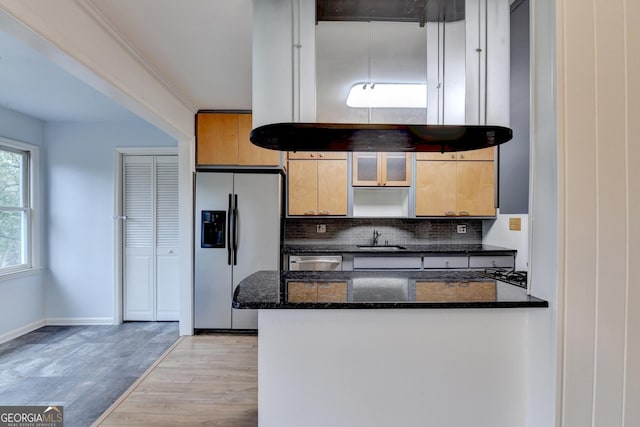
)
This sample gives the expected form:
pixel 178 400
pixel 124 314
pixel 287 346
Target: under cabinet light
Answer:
pixel 387 95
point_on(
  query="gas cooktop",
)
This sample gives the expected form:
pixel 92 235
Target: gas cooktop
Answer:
pixel 517 278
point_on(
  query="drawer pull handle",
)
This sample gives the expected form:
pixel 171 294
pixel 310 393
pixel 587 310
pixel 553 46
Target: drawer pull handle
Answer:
pixel 325 213
pixel 310 213
pixel 450 213
pixel 464 213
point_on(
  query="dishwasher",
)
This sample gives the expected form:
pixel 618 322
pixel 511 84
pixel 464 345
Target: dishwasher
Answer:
pixel 315 263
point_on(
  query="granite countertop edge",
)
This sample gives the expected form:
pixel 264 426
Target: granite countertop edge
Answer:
pixel 398 305
pixel 411 248
pixel 262 290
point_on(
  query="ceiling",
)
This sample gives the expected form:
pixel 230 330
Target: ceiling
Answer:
pixel 201 48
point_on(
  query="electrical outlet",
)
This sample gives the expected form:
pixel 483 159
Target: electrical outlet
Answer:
pixel 321 228
pixel 462 228
pixel 515 224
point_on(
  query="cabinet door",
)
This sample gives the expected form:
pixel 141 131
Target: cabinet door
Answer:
pixel 475 189
pixel 477 291
pixel 302 187
pixel 250 154
pixel 482 154
pixel 302 155
pixel 302 292
pixel 396 169
pixel 366 169
pixel 436 156
pixel 314 155
pixel 332 292
pixel 435 188
pixel 436 291
pixel 332 155
pixel 332 187
pixel 217 139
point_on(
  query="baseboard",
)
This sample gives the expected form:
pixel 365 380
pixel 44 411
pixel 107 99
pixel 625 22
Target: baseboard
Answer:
pixel 21 331
pixel 71 321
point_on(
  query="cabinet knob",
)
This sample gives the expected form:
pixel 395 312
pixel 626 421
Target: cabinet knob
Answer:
pixel 462 156
pixel 312 155
pixel 453 156
pixel 320 155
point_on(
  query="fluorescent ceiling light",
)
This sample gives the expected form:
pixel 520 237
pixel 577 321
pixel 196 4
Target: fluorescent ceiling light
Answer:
pixel 387 95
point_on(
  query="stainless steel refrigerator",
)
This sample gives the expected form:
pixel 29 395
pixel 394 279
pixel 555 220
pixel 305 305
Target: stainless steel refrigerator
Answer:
pixel 237 227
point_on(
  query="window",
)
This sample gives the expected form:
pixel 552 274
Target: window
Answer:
pixel 16 206
pixel 387 95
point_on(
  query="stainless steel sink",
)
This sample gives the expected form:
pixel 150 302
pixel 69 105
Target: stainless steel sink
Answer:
pixel 383 247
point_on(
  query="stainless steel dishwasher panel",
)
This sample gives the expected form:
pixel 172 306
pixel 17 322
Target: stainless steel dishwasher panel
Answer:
pixel 315 262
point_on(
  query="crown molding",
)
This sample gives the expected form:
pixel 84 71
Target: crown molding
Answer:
pixel 112 30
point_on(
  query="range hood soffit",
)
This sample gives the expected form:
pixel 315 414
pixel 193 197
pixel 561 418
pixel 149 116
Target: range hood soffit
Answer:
pixel 377 137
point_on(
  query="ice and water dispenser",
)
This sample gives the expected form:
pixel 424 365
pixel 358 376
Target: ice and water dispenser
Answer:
pixel 213 229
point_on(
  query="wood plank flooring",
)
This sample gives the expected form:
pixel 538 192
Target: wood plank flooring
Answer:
pixel 201 380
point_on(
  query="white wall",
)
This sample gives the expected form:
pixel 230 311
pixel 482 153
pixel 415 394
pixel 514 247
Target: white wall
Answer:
pixel 544 326
pixel 496 232
pixel 21 299
pixel 79 285
pixel 599 186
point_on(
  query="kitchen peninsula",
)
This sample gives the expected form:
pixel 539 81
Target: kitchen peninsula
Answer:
pixel 371 348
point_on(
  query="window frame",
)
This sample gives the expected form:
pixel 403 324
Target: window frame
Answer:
pixel 29 206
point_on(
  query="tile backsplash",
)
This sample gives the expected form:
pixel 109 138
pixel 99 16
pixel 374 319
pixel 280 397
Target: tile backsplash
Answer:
pixel 359 231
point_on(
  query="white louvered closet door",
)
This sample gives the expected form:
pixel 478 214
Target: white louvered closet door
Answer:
pixel 150 262
pixel 167 260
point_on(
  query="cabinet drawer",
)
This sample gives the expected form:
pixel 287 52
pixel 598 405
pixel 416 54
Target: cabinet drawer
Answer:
pixel 446 262
pixel 386 262
pixel 502 261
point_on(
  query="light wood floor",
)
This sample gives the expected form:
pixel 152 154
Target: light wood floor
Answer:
pixel 201 380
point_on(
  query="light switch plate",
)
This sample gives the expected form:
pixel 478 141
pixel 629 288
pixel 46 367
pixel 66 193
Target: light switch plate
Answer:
pixel 321 228
pixel 515 224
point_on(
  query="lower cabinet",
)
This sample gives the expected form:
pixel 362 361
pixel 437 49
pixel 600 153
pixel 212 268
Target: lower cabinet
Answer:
pixel 317 291
pixel 455 291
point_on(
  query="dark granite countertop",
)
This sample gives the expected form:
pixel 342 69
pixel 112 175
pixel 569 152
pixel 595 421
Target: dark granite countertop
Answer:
pixel 378 290
pixel 432 248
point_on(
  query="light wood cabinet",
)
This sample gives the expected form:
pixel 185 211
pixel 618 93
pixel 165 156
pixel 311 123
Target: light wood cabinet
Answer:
pixel 455 188
pixel 223 139
pixel 317 187
pixel 482 154
pixel 332 292
pixel 372 169
pixel 317 291
pixel 456 291
pixel 317 155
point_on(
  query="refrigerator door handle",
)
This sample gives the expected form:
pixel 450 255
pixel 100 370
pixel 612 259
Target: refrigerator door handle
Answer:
pixel 229 230
pixel 235 230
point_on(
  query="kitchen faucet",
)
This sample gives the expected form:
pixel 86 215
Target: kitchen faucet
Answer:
pixel 376 234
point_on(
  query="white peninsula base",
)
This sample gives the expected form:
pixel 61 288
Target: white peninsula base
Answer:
pixel 395 367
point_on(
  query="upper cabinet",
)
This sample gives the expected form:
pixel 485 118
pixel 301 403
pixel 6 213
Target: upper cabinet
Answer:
pixel 317 185
pixel 381 169
pixel 223 139
pixel 456 184
pixel 484 154
pixel 316 155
